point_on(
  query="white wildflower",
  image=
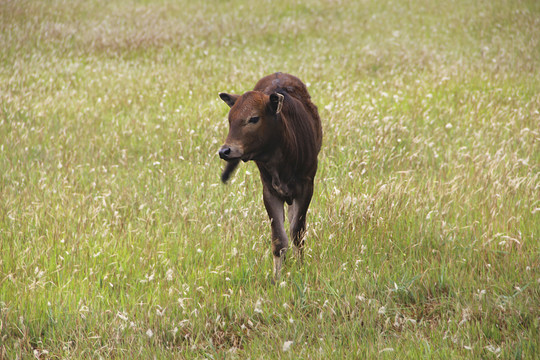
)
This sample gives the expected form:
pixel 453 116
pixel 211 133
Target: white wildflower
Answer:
pixel 493 349
pixel 258 305
pixel 287 345
pixel 169 274
pixel 466 315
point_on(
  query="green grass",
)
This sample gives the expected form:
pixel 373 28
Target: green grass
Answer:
pixel 118 241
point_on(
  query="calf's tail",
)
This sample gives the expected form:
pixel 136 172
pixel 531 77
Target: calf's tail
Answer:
pixel 229 169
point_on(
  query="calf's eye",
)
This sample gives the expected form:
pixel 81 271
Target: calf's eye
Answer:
pixel 253 120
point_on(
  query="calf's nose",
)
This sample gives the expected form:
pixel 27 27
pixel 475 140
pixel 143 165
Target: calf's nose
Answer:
pixel 224 152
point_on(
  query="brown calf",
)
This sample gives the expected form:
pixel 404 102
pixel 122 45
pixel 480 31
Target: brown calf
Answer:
pixel 277 126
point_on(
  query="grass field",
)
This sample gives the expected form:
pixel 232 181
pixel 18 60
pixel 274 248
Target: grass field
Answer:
pixel 118 241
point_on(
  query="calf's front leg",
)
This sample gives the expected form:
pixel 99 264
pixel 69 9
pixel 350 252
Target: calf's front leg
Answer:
pixel 297 217
pixel 274 208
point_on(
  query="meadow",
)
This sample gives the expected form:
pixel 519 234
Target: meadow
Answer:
pixel 117 239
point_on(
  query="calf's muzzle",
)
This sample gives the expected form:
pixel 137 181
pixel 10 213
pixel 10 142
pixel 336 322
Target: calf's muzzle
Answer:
pixel 225 152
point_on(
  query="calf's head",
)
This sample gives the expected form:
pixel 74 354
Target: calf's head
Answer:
pixel 253 127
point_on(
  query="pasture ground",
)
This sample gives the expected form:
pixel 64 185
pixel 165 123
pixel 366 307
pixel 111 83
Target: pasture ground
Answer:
pixel 118 241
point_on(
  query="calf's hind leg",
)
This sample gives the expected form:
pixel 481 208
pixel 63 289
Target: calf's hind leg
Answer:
pixel 276 213
pixel 297 218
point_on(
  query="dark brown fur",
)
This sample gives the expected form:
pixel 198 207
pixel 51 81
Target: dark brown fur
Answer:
pixel 278 127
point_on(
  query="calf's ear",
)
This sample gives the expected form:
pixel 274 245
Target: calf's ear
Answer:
pixel 229 99
pixel 276 102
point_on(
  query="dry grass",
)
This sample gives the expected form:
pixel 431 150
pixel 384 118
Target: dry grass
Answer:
pixel 117 240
